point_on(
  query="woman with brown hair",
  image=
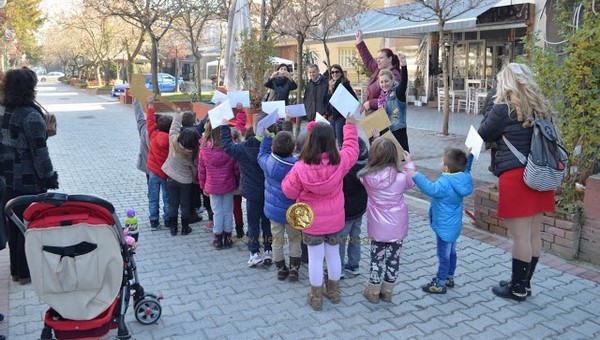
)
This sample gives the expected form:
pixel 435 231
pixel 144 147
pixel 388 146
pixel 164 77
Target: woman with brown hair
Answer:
pixel 337 120
pixel 25 162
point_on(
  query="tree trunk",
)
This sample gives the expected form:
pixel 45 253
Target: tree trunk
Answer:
pixel 327 58
pixel 154 63
pixel 300 73
pixel 198 76
pixel 446 86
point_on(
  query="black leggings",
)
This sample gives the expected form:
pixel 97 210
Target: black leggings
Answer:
pixel 402 138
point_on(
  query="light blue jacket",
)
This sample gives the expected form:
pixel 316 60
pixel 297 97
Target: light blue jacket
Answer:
pixel 395 109
pixel 447 193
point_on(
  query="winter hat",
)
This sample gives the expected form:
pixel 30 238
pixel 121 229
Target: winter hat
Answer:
pixel 310 125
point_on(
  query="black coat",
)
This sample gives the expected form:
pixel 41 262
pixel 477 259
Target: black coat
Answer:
pixel 355 194
pixel 498 122
pixel 331 111
pixel 315 97
pixel 280 88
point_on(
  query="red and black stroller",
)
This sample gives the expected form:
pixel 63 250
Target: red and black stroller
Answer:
pixel 81 266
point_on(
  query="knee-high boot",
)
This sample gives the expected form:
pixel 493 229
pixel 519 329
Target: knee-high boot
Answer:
pixel 516 288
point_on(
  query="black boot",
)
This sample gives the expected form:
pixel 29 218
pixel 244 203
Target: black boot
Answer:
pixel 227 240
pixel 218 241
pixel 532 265
pixel 516 288
pixel 283 271
pixel 173 226
pixel 239 231
pixel 185 226
pixel 295 268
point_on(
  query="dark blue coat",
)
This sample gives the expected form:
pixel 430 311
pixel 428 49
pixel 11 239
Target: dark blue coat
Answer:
pixel 252 179
pixel 275 168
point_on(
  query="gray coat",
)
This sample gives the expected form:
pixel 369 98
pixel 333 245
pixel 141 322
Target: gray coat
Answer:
pixel 143 132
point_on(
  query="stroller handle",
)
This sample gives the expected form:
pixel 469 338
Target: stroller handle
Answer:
pixel 55 198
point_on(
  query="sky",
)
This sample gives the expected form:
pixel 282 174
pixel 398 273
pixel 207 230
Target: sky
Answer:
pixel 53 7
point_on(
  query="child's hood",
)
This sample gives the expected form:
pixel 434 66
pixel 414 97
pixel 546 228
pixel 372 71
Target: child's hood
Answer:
pixel 461 182
pixel 321 178
pixel 381 179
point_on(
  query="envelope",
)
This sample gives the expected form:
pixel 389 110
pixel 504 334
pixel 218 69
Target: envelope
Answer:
pixel 474 141
pixel 278 105
pixel 218 97
pixel 297 110
pixel 267 121
pixel 377 120
pixel 239 97
pixel 344 102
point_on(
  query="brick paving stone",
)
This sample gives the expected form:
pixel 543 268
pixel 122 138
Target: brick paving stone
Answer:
pixel 537 331
pixel 459 331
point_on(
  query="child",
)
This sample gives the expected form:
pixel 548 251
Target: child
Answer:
pixel 445 212
pixel 218 175
pixel 393 99
pixel 252 189
pixel 158 133
pixel 238 215
pixel 276 166
pixel 240 119
pixel 387 215
pixel 180 168
pixel 189 120
pixel 355 205
pixel 316 179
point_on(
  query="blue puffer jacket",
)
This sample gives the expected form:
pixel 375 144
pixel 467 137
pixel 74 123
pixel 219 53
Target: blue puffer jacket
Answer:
pixel 447 193
pixel 275 168
pixel 252 181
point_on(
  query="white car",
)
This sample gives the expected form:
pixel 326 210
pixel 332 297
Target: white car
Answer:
pixel 55 76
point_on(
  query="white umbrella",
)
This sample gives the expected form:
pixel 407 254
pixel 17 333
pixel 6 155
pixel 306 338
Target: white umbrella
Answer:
pixel 238 24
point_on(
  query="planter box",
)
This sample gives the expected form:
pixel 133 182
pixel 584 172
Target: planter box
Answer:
pixel 562 232
pixel 184 105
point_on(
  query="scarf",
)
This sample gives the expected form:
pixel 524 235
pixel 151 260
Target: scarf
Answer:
pixel 381 100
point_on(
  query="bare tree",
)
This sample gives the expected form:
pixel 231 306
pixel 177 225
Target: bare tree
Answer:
pixel 441 11
pixel 341 17
pixel 152 16
pixel 61 49
pixel 269 12
pixel 195 16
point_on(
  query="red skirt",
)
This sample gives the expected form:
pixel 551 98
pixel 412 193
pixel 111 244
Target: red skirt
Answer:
pixel 516 199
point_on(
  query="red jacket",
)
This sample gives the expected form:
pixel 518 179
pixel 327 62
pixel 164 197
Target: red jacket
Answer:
pixel 239 122
pixel 218 173
pixel 159 145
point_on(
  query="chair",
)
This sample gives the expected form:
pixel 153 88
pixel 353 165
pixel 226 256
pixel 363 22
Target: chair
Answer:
pixel 441 98
pixel 471 100
pixel 463 103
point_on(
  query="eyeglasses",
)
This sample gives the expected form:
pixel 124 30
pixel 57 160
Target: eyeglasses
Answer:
pixel 335 71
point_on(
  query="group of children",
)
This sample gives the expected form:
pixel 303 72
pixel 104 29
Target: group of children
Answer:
pixel 339 184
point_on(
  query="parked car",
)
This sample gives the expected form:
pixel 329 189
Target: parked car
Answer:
pixel 55 76
pixel 166 83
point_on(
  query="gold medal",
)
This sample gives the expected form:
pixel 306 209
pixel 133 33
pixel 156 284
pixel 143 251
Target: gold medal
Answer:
pixel 300 216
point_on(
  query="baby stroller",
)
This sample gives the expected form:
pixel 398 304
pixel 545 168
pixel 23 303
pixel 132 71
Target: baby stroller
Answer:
pixel 81 266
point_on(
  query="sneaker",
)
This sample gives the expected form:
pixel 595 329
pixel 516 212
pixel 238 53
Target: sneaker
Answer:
pixel 352 272
pixel 209 226
pixel 268 258
pixel 200 210
pixel 255 259
pixel 433 288
pixel 449 282
pixel 154 225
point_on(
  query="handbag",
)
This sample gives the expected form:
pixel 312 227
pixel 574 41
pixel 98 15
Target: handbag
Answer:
pixel 51 124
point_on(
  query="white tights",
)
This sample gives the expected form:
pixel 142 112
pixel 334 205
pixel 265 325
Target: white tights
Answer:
pixel 316 254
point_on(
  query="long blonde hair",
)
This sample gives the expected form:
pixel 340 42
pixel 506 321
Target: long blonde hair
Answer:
pixel 517 89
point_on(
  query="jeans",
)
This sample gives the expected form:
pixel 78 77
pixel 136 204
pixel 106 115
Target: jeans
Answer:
pixel 351 233
pixel 446 252
pixel 222 207
pixel 180 195
pixel 338 130
pixel 257 221
pixel 385 260
pixel 294 238
pixel 155 186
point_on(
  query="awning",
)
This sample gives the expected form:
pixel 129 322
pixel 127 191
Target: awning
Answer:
pixel 386 23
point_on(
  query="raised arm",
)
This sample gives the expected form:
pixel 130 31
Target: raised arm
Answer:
pixel 264 152
pixel 139 117
pixel 232 149
pixel 365 55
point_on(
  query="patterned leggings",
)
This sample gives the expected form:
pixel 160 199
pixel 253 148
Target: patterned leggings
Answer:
pixel 385 256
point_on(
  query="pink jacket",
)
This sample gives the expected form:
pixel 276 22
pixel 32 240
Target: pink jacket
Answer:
pixel 218 173
pixel 320 185
pixel 387 211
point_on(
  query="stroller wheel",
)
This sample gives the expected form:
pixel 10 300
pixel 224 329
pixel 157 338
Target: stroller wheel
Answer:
pixel 147 310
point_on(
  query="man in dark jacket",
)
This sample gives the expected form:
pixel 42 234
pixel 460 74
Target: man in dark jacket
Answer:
pixel 315 93
pixel 355 205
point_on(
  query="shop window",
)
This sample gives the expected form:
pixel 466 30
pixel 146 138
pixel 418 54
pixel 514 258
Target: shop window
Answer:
pixel 345 57
pixel 470 35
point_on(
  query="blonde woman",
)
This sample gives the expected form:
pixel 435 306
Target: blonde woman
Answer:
pixel 518 97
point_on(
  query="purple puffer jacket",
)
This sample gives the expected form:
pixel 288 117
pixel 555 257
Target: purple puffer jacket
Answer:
pixel 218 173
pixel 320 185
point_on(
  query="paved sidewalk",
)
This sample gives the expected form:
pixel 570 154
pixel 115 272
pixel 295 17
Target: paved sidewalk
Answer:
pixel 212 294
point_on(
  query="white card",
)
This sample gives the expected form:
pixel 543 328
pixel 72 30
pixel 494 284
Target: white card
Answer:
pixel 239 97
pixel 319 118
pixel 474 141
pixel 218 97
pixel 278 105
pixel 344 102
pixel 297 110
pixel 217 114
pixel 267 121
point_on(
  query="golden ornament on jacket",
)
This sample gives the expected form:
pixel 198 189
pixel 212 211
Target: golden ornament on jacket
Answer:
pixel 300 216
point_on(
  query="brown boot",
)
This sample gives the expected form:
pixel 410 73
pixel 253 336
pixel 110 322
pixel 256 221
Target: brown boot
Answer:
pixel 315 297
pixel 333 291
pixel 372 292
pixel 295 268
pixel 387 289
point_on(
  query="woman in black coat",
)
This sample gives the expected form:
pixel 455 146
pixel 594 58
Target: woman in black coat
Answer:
pixel 337 120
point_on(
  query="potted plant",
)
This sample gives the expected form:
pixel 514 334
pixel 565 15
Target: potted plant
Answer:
pixel 417 86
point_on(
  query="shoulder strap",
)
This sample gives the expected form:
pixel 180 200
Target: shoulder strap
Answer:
pixel 514 150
